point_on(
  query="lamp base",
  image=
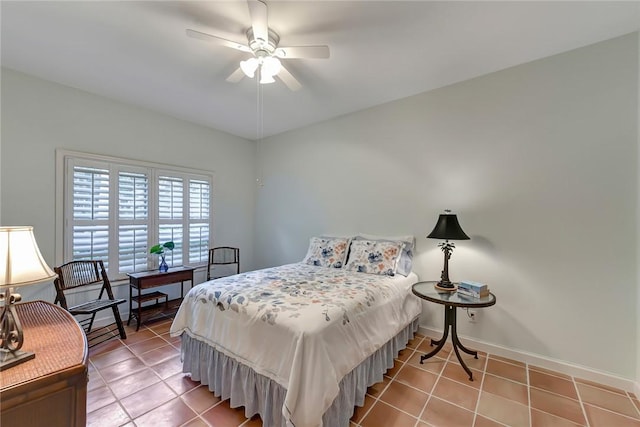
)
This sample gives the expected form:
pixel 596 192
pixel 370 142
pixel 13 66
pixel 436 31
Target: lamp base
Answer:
pixel 445 287
pixel 10 358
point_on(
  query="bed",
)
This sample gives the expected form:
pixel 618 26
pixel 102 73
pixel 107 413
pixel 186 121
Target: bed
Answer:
pixel 298 344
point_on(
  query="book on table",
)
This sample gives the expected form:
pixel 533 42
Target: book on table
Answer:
pixel 473 294
pixel 473 289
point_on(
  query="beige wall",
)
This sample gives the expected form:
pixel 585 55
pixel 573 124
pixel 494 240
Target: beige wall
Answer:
pixel 539 161
pixel 39 117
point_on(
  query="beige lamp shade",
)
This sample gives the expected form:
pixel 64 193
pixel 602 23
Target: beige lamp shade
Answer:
pixel 21 263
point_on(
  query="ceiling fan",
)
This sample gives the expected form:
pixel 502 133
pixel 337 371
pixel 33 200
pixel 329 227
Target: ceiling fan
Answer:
pixel 263 45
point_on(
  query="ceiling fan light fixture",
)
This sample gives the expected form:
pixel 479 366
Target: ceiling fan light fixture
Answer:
pixel 271 66
pixel 249 67
pixel 266 79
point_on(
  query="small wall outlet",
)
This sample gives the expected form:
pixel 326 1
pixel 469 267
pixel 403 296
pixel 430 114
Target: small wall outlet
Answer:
pixel 471 315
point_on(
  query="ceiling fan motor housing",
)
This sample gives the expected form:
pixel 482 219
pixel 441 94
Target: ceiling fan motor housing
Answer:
pixel 268 46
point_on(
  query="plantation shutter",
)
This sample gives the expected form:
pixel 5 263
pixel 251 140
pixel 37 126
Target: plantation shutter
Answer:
pixel 133 218
pixel 199 196
pixel 90 219
pixel 170 215
pixel 115 210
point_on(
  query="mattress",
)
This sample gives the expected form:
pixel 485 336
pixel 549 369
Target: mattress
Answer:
pixel 303 327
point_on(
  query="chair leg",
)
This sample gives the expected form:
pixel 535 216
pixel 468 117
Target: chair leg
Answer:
pixel 93 316
pixel 116 314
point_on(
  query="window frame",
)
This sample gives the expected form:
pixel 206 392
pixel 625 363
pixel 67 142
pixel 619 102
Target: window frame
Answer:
pixel 65 162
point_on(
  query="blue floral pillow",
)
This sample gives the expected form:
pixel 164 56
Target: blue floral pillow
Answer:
pixel 374 257
pixel 327 252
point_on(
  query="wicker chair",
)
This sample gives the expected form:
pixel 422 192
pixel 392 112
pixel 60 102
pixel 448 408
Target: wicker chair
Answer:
pixel 77 274
pixel 223 255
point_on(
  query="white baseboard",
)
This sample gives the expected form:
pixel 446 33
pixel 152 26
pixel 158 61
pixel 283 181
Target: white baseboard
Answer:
pixel 544 362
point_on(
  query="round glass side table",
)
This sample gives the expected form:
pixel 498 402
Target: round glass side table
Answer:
pixel 451 301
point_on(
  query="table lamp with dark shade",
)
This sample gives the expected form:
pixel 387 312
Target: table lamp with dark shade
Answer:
pixel 447 228
pixel 21 264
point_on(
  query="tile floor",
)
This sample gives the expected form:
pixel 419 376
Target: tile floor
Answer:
pixel 138 382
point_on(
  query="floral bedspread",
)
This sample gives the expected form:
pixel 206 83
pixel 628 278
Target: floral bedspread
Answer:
pixel 302 326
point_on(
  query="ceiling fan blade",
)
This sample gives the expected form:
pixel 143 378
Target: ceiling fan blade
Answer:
pixel 288 79
pixel 302 52
pixel 236 76
pixel 258 12
pixel 218 40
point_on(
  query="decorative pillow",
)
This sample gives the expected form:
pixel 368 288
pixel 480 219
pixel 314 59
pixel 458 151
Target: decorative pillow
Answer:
pixel 327 251
pixel 374 257
pixel 406 259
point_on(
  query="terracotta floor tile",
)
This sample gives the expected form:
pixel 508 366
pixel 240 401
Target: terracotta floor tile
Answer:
pixel 507 360
pixel 417 378
pixel 377 389
pixel 391 372
pixel 200 399
pixel 605 399
pixel 108 416
pixel 486 422
pixel 222 415
pixel 503 410
pixel 122 369
pixel 147 345
pixel 404 355
pixel 441 413
pixel 181 383
pixel 454 371
pixel 506 388
pixel 168 368
pixel 98 398
pixel 507 370
pixel 147 399
pixel 171 340
pixel 383 415
pixel 602 386
pixel 133 383
pixel 404 398
pixel 109 358
pixel 549 372
pixel 603 418
pixel 161 327
pixel 361 411
pixel 145 373
pixel 552 383
pixel 470 361
pixel 141 335
pixel 199 422
pixel 557 405
pixel 172 413
pixel 426 347
pixel 254 421
pixel 415 341
pixel 542 419
pixel 158 355
pixel 105 347
pixel 457 393
pixel 95 380
pixel 434 364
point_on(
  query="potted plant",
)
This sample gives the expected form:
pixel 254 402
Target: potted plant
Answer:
pixel 160 249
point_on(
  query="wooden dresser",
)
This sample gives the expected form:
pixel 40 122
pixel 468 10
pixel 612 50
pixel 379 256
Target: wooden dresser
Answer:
pixel 50 390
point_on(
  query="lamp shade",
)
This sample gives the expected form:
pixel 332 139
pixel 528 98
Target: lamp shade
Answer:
pixel 20 260
pixel 448 228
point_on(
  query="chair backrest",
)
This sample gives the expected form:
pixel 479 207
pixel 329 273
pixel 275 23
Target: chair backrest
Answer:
pixel 76 274
pixel 223 255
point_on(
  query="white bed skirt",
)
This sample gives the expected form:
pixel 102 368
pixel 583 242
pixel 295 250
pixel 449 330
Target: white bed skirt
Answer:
pixel 232 380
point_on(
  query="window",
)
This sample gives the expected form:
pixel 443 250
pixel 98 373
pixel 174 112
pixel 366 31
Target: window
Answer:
pixel 116 209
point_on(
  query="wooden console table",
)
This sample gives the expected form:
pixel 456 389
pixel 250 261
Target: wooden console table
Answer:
pixel 51 389
pixel 151 279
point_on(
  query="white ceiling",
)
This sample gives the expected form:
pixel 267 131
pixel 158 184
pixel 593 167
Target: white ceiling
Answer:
pixel 137 51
